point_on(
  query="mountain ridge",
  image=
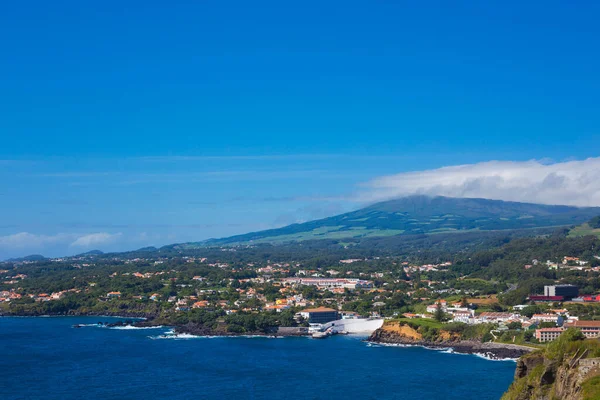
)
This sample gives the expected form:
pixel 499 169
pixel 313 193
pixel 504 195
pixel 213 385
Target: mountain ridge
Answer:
pixel 419 214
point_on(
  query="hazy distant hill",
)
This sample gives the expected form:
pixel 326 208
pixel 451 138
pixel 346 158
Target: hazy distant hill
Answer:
pixel 420 215
pixel 33 257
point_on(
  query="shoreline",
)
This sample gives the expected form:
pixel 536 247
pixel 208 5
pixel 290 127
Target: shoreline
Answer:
pixel 492 350
pixel 145 320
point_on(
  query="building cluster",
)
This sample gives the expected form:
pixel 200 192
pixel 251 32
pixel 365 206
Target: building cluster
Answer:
pixel 590 329
pixel 328 283
pixel 14 279
pixel 568 263
pixel 408 269
pixel 10 295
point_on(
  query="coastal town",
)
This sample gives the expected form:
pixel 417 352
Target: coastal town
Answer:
pixel 305 299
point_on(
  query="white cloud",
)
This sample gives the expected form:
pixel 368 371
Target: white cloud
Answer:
pixel 95 239
pixel 571 183
pixel 30 240
pixel 22 243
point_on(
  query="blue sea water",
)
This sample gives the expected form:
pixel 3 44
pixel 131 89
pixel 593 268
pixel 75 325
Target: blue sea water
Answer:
pixel 46 358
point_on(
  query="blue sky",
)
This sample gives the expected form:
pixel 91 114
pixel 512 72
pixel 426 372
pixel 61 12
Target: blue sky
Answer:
pixel 147 123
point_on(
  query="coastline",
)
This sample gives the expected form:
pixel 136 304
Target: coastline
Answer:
pixel 74 313
pixel 491 350
pixel 147 320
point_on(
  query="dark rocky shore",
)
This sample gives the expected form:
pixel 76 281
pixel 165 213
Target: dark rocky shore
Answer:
pixel 142 320
pixel 76 313
pixel 489 349
pixel 200 330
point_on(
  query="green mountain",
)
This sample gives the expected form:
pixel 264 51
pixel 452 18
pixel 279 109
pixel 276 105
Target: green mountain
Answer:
pixel 415 215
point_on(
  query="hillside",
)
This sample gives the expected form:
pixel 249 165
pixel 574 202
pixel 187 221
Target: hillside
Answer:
pixel 567 369
pixel 416 215
pixel 592 227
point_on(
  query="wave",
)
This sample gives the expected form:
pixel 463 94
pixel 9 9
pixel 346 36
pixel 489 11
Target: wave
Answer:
pixel 170 334
pixel 490 357
pixel 447 350
pixel 178 336
pixel 131 327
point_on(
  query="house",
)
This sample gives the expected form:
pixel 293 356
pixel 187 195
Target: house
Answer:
pixel 462 316
pixel 591 298
pixel 277 307
pixel 553 318
pixel 113 295
pixel 329 283
pixel 57 295
pixel 591 329
pixel 548 334
pixel 432 308
pixel 495 317
pixel 319 315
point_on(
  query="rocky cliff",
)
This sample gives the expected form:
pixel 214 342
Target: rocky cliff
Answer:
pixel 563 371
pixel 393 332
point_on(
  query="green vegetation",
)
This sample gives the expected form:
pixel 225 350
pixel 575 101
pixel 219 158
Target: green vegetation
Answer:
pixel 420 215
pixel 584 230
pixel 417 323
pixel 234 289
pixel 521 389
pixel 544 365
pixel 590 389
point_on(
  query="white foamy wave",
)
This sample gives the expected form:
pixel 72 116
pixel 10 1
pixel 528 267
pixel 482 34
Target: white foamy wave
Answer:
pixel 180 336
pixel 490 357
pixel 131 327
pixel 446 350
pixel 374 344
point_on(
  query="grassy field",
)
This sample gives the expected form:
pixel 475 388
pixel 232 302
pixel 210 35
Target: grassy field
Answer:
pixel 430 323
pixel 584 230
pixel 483 300
pixel 330 232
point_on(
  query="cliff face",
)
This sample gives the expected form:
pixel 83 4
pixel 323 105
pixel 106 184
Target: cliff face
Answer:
pixel 394 332
pixel 539 378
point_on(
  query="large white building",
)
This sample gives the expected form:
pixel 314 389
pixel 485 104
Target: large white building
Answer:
pixel 591 329
pixel 545 318
pixel 548 334
pixel 329 283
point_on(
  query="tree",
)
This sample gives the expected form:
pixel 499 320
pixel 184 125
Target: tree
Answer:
pixel 464 302
pixel 439 313
pixel 515 325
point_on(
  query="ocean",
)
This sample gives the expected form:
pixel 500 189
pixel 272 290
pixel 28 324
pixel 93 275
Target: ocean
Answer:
pixel 46 358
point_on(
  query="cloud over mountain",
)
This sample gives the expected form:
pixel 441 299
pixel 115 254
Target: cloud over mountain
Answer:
pixel 95 239
pixel 570 183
